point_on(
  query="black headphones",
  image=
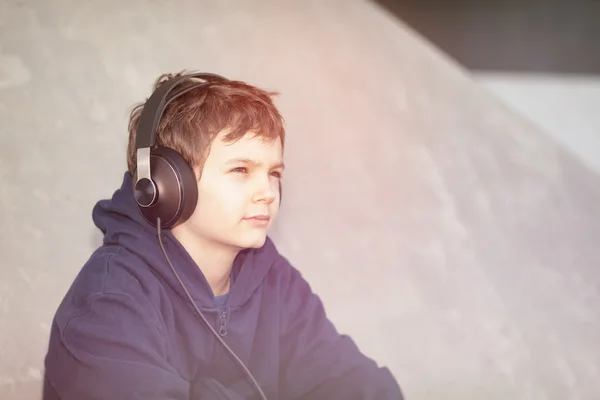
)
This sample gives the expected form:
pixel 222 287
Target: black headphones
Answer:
pixel 164 185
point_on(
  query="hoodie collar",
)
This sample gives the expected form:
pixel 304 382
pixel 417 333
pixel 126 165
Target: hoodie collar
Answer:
pixel 123 224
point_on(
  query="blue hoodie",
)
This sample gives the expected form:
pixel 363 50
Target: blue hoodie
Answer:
pixel 126 329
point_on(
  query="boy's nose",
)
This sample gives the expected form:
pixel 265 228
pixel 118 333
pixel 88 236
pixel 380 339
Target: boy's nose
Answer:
pixel 266 193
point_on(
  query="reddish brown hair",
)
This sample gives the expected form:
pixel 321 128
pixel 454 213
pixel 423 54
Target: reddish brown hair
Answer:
pixel 191 122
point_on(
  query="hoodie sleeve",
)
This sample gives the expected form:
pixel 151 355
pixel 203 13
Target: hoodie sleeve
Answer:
pixel 113 350
pixel 320 363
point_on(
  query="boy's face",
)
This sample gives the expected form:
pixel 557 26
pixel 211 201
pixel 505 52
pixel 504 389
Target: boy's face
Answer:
pixel 238 193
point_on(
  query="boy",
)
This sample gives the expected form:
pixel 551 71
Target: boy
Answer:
pixel 188 298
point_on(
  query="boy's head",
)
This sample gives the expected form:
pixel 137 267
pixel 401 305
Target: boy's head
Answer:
pixel 232 136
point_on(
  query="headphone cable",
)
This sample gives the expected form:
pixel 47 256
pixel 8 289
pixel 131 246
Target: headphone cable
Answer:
pixel 239 361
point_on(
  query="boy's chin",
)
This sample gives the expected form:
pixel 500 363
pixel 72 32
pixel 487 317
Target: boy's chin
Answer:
pixel 254 241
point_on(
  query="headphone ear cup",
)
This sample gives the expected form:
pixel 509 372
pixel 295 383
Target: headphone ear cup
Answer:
pixel 176 187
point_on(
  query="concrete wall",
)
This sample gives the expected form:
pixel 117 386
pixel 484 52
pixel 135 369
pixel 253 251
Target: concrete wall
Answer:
pixel 463 242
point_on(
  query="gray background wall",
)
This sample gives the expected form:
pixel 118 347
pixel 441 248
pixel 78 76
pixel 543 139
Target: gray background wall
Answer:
pixel 463 240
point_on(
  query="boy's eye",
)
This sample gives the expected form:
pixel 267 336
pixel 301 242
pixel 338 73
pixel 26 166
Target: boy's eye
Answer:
pixel 276 174
pixel 242 170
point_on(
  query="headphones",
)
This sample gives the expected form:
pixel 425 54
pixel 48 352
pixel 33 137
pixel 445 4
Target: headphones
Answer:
pixel 164 185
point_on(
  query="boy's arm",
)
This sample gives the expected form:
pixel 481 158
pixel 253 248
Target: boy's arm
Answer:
pixel 318 362
pixel 115 350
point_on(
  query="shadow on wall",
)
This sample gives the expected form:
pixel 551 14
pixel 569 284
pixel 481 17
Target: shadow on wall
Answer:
pixel 551 36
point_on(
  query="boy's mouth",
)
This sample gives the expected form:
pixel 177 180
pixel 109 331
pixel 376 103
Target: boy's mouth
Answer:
pixel 261 220
pixel 259 217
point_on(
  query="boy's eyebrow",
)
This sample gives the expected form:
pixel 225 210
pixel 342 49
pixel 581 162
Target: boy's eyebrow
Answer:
pixel 253 162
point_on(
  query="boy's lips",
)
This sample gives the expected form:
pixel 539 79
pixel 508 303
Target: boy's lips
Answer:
pixel 259 217
pixel 261 220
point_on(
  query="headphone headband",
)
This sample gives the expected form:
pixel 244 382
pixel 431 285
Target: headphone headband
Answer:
pixel 152 113
pixel 157 103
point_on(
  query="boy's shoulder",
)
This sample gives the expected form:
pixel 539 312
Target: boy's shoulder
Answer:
pixel 109 269
pixel 109 272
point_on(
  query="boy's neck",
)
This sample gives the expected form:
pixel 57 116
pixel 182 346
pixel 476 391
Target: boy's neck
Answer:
pixel 214 261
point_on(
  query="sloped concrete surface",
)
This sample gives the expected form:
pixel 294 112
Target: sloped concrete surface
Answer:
pixel 456 243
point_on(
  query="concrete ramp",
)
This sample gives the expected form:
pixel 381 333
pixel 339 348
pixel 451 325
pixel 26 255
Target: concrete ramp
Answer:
pixel 456 243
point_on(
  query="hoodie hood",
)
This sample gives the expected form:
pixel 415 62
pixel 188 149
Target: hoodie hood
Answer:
pixel 123 225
